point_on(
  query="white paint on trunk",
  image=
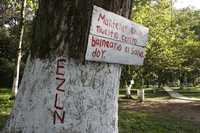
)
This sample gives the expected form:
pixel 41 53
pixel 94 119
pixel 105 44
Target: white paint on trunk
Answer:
pixel 128 90
pixel 89 100
pixel 140 94
pixel 16 79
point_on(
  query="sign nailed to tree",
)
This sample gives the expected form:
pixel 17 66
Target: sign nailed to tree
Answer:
pixel 115 39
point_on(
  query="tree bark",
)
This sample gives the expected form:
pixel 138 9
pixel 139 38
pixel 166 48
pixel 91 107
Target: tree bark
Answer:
pixel 128 88
pixel 140 94
pixel 128 91
pixel 58 93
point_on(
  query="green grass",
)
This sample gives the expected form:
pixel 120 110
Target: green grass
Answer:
pixel 129 121
pixel 5 106
pixel 150 93
pixel 161 122
pixel 193 92
pixel 146 122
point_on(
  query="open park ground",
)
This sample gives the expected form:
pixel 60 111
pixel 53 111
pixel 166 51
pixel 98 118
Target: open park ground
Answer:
pixel 158 114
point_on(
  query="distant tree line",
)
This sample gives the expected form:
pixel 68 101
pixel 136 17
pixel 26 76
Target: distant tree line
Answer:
pixel 9 37
pixel 172 52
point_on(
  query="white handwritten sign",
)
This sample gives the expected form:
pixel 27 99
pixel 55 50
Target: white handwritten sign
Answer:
pixel 115 39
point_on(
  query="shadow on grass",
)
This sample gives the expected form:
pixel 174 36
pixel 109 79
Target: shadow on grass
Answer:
pixel 5 106
pixel 3 120
pixel 145 122
pixel 158 117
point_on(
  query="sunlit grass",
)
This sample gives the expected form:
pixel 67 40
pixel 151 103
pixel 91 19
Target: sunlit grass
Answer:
pixel 5 106
pixel 192 92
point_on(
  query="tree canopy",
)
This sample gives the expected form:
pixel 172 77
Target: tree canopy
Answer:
pixel 9 36
pixel 172 50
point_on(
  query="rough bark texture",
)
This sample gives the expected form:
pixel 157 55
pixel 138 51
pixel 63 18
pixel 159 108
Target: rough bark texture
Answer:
pixel 61 27
pixel 59 94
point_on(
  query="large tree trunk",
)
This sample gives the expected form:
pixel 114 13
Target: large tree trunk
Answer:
pixel 58 93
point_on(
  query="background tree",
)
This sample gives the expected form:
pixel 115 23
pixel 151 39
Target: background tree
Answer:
pixel 10 27
pixel 19 50
pixel 173 42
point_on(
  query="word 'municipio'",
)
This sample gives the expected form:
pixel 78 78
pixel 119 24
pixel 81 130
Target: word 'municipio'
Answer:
pixel 59 113
pixel 115 24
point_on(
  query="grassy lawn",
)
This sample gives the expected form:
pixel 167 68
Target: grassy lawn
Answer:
pixel 163 117
pixel 133 119
pixel 5 105
pixel 193 92
pixel 147 122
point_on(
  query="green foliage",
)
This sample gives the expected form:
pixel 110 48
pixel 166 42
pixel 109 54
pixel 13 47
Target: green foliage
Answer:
pixel 5 105
pixel 8 52
pixel 172 52
pixel 9 37
pixel 32 4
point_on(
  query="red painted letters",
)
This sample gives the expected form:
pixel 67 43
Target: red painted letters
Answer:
pixel 55 103
pixel 60 85
pixel 58 109
pixel 56 115
pixel 60 67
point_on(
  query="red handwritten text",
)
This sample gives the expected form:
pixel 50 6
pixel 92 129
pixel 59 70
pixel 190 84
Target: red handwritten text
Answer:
pixel 105 43
pixel 59 113
pixel 134 51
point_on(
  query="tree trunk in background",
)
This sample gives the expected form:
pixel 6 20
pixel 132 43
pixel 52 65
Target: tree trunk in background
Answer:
pixel 140 94
pixel 128 90
pixel 59 94
pixel 19 52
